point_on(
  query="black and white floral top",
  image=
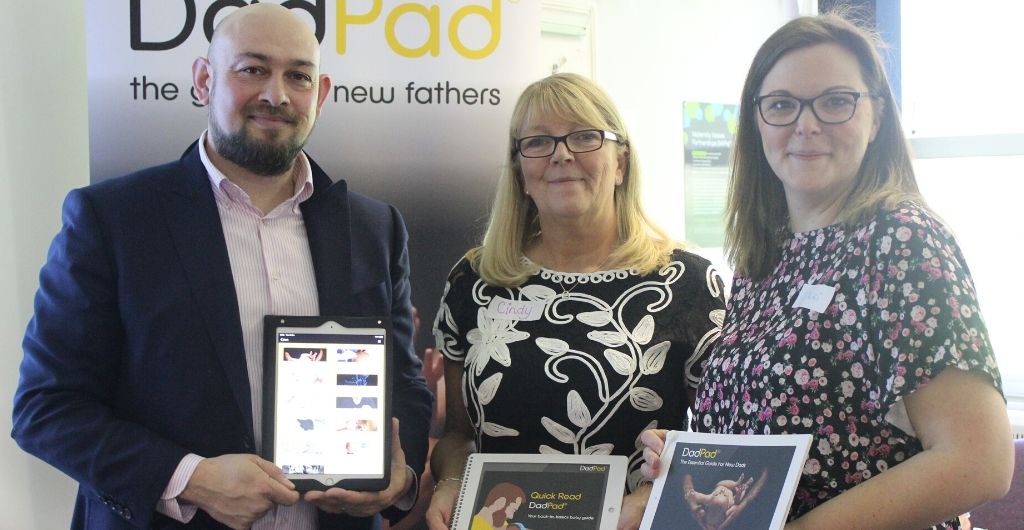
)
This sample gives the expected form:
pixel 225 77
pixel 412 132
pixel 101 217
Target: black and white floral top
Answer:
pixel 599 358
pixel 904 309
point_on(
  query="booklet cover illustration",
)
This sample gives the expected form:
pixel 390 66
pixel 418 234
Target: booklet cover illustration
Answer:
pixel 718 482
pixel 539 496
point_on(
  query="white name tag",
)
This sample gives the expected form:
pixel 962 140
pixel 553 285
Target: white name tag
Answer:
pixel 815 297
pixel 505 309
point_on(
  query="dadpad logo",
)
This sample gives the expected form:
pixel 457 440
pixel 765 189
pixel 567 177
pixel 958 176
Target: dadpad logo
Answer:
pixel 698 453
pixel 400 26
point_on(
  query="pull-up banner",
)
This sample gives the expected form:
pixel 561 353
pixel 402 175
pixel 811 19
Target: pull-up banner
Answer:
pixel 417 114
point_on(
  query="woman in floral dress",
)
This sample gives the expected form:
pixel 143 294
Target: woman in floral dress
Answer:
pixel 852 315
pixel 577 323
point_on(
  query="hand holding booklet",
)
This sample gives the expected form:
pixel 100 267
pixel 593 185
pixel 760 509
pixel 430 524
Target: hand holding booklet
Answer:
pixel 721 481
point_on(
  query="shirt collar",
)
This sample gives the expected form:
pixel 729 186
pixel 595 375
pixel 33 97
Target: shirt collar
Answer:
pixel 227 192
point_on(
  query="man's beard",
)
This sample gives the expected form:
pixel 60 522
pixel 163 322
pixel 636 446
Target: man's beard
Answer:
pixel 262 157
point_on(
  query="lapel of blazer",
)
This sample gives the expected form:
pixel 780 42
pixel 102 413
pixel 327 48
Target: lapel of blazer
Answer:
pixel 326 216
pixel 195 227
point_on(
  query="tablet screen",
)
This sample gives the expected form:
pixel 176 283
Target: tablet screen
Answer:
pixel 330 416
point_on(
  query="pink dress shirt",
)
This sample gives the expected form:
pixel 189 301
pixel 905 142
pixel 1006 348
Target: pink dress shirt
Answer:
pixel 273 273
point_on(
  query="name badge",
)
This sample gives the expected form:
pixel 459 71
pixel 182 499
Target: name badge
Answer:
pixel 505 309
pixel 815 297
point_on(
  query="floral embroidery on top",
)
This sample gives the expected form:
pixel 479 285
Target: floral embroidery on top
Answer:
pixel 606 360
pixel 904 309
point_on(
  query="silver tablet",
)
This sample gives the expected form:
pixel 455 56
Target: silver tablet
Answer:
pixel 326 402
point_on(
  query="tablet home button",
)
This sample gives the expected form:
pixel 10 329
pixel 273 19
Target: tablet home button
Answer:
pixel 329 481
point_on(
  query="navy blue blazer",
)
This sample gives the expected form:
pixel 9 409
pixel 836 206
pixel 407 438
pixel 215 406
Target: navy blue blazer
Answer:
pixel 134 356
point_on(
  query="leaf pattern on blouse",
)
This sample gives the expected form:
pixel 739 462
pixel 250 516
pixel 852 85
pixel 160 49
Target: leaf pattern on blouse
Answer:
pixel 613 353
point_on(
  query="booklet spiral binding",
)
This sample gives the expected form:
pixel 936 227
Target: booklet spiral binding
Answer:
pixel 462 492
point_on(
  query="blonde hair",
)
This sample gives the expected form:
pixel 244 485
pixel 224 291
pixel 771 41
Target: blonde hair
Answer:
pixel 756 213
pixel 513 222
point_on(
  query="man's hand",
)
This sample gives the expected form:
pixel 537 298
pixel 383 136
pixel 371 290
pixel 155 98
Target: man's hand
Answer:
pixel 237 490
pixel 367 503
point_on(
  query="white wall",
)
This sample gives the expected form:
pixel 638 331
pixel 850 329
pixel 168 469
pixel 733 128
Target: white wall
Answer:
pixel 43 153
pixel 653 55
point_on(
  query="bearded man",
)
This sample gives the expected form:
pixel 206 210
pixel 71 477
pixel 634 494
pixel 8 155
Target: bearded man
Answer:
pixel 142 369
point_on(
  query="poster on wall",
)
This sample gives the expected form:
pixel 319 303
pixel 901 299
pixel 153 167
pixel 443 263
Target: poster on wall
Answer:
pixel 708 132
pixel 417 114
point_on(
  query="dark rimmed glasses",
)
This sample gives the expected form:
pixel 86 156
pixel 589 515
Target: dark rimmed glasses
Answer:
pixel 584 141
pixel 830 107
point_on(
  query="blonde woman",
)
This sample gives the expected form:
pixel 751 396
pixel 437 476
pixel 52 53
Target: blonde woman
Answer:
pixel 577 323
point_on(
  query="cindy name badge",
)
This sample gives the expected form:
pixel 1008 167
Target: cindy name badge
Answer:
pixel 505 309
pixel 815 297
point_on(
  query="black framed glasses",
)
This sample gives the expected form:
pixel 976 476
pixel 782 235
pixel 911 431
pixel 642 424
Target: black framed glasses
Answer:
pixel 830 107
pixel 584 141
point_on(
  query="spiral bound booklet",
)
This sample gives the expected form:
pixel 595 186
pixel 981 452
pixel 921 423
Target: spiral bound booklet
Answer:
pixel 722 481
pixel 540 492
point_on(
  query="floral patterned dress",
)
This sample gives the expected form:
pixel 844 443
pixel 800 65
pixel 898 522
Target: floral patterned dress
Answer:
pixel 611 354
pixel 904 309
